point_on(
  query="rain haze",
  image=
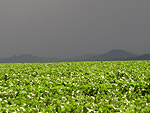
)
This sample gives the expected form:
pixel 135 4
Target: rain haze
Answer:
pixel 65 28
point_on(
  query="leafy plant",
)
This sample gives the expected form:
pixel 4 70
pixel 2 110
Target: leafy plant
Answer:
pixel 110 86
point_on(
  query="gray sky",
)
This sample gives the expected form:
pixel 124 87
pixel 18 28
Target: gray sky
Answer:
pixel 73 27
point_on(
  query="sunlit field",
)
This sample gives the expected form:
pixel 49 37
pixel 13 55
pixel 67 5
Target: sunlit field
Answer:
pixel 110 86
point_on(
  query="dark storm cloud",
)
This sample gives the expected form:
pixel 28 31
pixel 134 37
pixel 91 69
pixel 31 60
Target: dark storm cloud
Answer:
pixel 73 27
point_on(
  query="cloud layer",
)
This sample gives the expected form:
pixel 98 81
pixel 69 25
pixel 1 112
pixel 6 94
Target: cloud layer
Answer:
pixel 73 27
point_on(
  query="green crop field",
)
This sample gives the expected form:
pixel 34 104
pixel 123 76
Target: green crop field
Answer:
pixel 110 86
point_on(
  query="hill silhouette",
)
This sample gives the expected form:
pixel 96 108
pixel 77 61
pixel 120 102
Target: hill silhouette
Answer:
pixel 27 58
pixel 113 55
pixel 141 57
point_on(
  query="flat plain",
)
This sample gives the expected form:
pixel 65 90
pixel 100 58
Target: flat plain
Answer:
pixel 104 86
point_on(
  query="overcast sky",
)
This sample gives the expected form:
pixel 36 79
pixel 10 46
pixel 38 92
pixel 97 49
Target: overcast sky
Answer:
pixel 73 27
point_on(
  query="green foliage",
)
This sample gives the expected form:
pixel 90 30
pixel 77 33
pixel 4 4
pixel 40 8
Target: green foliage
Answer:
pixel 88 87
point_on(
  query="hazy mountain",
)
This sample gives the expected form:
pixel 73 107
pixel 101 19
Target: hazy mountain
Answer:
pixel 114 54
pixel 84 57
pixel 141 57
pixel 26 58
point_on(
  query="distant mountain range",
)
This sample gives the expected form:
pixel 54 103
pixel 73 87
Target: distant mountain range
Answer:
pixel 113 55
pixel 27 58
